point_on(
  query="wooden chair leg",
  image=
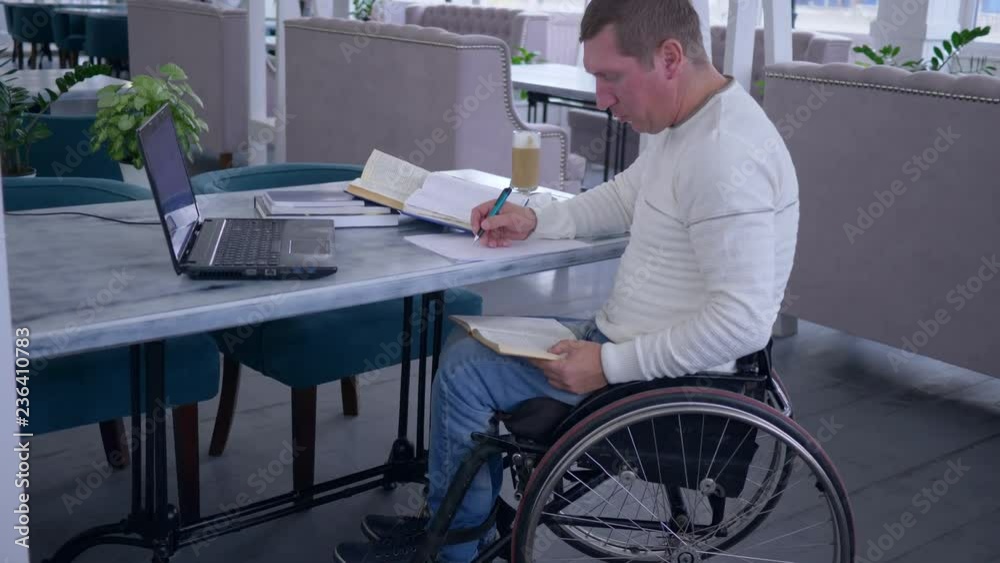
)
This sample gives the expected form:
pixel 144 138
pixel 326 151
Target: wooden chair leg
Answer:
pixel 303 437
pixel 115 443
pixel 186 452
pixel 227 406
pixel 349 395
pixel 226 160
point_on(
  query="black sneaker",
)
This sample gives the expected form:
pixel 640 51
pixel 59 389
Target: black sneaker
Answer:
pixel 384 551
pixel 377 527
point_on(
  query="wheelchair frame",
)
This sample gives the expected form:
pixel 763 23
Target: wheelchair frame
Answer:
pixel 754 374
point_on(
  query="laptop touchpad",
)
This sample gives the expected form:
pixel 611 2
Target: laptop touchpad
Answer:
pixel 308 246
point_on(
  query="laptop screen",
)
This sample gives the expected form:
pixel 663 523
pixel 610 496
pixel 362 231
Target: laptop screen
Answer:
pixel 169 179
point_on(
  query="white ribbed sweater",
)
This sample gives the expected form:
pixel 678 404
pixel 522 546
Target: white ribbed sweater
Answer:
pixel 712 210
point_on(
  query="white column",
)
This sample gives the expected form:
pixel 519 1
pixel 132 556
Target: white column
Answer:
pixel 777 31
pixel 916 26
pixel 14 553
pixel 287 9
pixel 322 8
pixel 257 84
pixel 739 40
pixel 701 6
pixel 341 8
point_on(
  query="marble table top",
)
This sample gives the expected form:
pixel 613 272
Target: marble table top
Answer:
pixel 104 11
pixel 80 99
pixel 564 81
pixel 81 284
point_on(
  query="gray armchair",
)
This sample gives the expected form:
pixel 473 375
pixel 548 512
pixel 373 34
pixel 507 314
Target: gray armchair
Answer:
pixel 588 128
pixel 210 43
pixel 899 217
pixel 437 99
pixel 517 28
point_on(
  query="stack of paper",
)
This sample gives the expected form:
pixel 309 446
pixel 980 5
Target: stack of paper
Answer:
pixel 460 247
pixel 323 202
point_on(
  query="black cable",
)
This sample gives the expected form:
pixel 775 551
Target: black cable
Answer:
pixel 86 215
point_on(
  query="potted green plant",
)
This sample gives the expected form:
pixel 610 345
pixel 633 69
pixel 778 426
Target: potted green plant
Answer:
pixel 20 111
pixel 945 57
pixel 121 109
pixel 363 9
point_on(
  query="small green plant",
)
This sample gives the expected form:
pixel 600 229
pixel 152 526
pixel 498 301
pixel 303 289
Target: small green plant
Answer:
pixel 362 9
pixel 20 111
pixel 121 110
pixel 945 56
pixel 524 57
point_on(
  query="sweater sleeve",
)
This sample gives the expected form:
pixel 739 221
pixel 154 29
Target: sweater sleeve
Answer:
pixel 732 232
pixel 604 210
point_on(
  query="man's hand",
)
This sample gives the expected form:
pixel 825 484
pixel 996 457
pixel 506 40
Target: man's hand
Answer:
pixel 514 222
pixel 580 371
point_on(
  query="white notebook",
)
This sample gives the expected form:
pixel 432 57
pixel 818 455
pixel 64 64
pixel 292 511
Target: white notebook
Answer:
pixel 524 337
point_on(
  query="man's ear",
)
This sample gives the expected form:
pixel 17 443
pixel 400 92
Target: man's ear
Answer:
pixel 671 56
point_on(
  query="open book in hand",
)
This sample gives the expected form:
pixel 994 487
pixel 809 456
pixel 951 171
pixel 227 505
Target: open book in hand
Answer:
pixel 433 196
pixel 524 337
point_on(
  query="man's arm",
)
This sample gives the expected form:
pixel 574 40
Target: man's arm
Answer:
pixel 604 210
pixel 734 239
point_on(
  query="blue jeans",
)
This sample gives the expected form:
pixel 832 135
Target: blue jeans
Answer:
pixel 472 383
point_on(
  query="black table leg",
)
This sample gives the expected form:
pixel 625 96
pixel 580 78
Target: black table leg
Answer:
pixel 135 447
pixel 402 449
pixel 422 374
pixel 153 522
pixel 438 331
pixel 607 146
pixel 622 132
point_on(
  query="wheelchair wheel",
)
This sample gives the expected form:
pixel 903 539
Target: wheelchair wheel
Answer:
pixel 683 475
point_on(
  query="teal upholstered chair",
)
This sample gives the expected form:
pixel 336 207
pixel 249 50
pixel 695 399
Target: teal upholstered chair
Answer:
pixel 306 351
pixel 32 24
pixel 106 38
pixel 95 387
pixel 67 151
pixel 68 32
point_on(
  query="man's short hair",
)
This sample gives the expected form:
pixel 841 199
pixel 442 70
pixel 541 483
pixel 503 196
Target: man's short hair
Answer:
pixel 642 25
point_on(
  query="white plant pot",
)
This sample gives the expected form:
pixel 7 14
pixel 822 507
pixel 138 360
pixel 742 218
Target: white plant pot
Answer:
pixel 132 175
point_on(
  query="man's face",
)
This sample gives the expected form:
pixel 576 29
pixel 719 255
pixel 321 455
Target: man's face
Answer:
pixel 635 94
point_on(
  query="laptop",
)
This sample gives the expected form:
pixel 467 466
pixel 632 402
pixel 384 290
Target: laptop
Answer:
pixel 219 247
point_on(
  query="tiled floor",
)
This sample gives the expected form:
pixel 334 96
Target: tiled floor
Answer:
pixel 890 435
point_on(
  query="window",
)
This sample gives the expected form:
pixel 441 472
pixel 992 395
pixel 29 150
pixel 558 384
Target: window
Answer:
pixel 546 5
pixel 836 16
pixel 988 13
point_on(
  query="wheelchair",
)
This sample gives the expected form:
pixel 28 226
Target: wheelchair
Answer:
pixel 675 470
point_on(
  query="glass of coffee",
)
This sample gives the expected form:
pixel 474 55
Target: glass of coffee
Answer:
pixel 527 149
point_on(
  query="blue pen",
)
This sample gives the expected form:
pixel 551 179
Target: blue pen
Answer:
pixel 496 209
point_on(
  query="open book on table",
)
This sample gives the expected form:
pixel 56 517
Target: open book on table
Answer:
pixel 525 337
pixel 433 196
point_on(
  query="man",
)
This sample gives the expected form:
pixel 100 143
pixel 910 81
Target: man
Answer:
pixel 712 209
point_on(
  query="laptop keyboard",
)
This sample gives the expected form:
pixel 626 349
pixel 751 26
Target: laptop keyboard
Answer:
pixel 248 243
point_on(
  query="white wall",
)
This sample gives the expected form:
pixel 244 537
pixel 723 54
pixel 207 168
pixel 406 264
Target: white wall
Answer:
pixel 9 498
